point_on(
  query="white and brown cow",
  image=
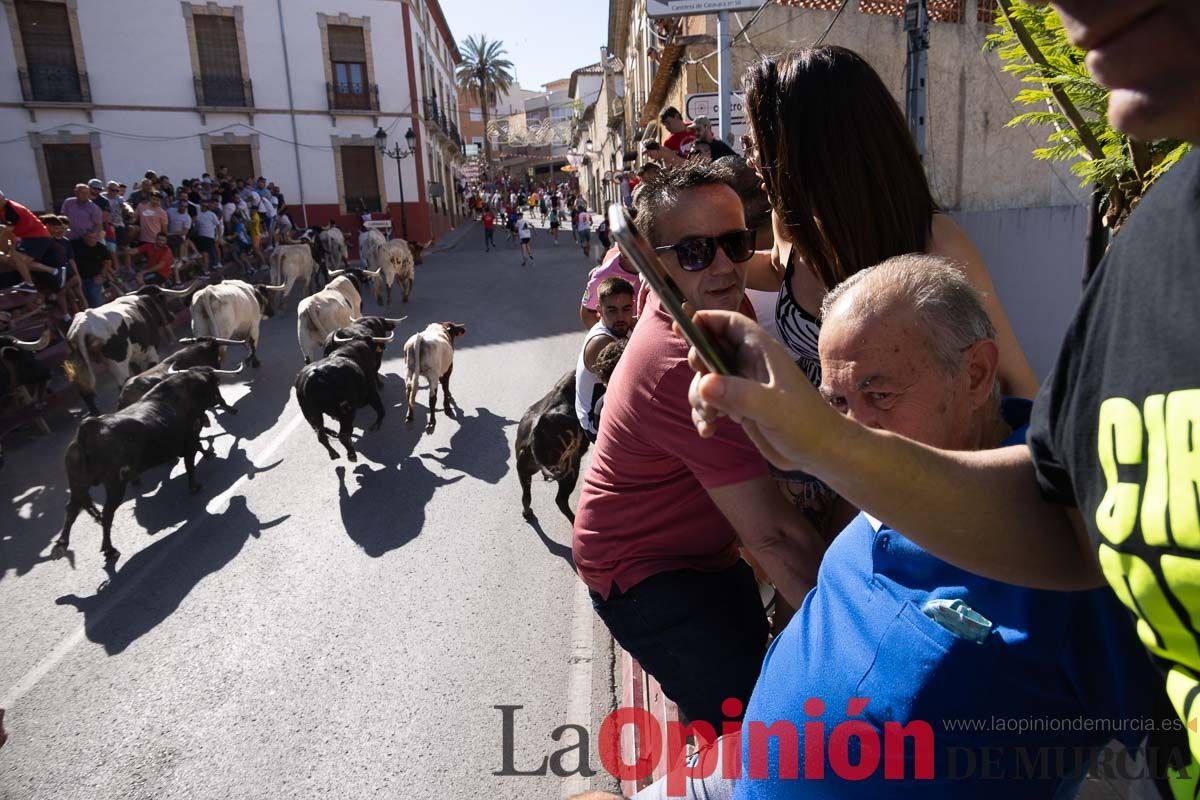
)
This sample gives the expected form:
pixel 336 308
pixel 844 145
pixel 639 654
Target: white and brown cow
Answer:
pixel 320 314
pixel 291 264
pixel 430 353
pixel 396 261
pixel 233 309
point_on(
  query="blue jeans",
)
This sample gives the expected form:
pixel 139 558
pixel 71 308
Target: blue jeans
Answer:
pixel 93 292
pixel 489 237
pixel 702 635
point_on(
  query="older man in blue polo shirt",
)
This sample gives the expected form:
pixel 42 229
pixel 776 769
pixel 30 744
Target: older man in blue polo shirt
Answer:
pixel 900 675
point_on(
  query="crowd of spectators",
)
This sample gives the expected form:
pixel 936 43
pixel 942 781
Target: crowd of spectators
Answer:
pixel 106 240
pixel 871 526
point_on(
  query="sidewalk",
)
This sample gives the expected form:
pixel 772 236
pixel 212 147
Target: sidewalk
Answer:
pixel 454 238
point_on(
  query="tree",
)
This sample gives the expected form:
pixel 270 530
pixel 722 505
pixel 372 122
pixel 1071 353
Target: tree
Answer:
pixel 1033 45
pixel 486 74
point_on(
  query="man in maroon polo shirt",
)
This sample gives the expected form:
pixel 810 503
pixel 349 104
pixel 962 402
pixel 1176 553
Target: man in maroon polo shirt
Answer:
pixel 662 511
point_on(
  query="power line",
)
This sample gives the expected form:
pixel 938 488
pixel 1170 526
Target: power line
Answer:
pixel 829 27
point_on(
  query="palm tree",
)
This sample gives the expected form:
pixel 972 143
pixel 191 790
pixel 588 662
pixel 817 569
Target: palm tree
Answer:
pixel 485 73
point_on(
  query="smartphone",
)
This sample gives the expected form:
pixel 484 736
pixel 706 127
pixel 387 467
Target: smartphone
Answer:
pixel 639 251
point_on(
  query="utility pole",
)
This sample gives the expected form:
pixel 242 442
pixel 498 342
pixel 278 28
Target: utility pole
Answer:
pixel 725 74
pixel 916 25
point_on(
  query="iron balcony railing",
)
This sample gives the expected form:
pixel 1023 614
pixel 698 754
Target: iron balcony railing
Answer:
pixel 442 122
pixel 219 91
pixel 352 96
pixel 54 83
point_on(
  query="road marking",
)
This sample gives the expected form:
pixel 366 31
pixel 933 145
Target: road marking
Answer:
pixel 579 683
pixel 215 506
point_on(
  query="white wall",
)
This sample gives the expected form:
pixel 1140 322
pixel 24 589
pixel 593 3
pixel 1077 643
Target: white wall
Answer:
pixel 157 73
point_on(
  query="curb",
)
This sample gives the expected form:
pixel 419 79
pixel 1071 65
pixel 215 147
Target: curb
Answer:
pixel 455 237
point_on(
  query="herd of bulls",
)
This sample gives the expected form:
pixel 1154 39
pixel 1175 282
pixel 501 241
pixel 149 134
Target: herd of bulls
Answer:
pixel 164 404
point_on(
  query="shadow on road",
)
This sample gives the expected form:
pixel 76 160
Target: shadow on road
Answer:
pixel 387 509
pixel 553 547
pixel 479 447
pixel 153 583
pixel 173 504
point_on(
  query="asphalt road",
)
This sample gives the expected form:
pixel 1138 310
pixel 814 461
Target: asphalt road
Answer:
pixel 303 627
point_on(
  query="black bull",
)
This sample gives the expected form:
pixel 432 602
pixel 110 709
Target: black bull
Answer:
pixel 113 449
pixel 551 440
pixel 339 384
pixel 19 367
pixel 204 351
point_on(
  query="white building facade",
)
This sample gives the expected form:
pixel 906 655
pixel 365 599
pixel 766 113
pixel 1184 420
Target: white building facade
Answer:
pixel 294 90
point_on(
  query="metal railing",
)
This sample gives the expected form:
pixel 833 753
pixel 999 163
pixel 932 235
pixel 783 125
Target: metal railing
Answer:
pixel 442 122
pixel 54 83
pixel 219 91
pixel 352 96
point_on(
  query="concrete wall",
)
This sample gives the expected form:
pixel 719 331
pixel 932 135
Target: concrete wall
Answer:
pixel 974 162
pixel 1036 258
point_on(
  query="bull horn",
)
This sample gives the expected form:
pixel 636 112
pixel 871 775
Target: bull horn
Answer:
pixel 188 340
pixel 333 273
pixel 180 292
pixel 395 321
pixel 383 339
pixel 172 371
pixel 337 337
pixel 276 288
pixel 240 367
pixel 40 344
pixel 371 274
pixel 227 341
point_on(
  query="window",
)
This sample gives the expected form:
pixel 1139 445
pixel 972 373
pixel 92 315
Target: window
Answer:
pixel 987 11
pixel 67 165
pixel 51 74
pixel 360 179
pixel 221 82
pixel 237 158
pixel 348 57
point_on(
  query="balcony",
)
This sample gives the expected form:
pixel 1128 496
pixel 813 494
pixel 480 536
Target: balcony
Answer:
pixel 441 124
pixel 353 96
pixel 220 91
pixel 54 83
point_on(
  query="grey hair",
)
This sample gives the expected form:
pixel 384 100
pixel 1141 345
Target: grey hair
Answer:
pixel 949 308
pixel 659 192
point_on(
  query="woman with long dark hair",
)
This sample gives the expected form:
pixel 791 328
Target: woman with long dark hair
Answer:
pixel 847 191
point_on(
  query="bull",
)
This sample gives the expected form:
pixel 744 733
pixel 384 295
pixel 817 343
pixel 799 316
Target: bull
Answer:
pixel 291 264
pixel 233 309
pixel 396 261
pixel 123 334
pixel 22 376
pixel 369 243
pixel 111 450
pixel 335 306
pixel 332 245
pixel 550 440
pixel 198 352
pixel 341 383
pixel 430 353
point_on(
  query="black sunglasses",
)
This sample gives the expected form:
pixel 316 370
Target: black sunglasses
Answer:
pixel 697 252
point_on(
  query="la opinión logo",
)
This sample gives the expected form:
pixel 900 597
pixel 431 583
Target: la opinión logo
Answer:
pixel 853 750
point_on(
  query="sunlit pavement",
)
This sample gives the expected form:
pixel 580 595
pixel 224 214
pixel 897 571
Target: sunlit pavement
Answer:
pixel 303 627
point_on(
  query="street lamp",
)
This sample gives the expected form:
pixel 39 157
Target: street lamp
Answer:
pixel 399 155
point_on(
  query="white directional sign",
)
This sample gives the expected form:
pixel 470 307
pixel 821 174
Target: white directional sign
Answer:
pixel 683 8
pixel 708 104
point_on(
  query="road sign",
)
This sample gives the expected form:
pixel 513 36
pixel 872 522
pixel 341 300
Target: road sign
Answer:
pixel 682 8
pixel 708 104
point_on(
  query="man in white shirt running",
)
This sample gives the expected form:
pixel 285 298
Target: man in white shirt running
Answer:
pixel 525 234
